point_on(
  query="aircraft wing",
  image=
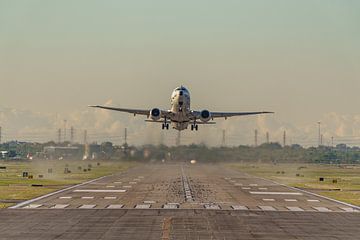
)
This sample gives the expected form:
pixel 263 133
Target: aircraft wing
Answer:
pixel 145 112
pixel 225 115
pixel 233 114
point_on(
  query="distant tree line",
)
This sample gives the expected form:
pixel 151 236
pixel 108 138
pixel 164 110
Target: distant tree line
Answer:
pixel 267 152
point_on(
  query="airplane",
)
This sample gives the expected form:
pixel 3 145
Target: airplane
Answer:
pixel 180 116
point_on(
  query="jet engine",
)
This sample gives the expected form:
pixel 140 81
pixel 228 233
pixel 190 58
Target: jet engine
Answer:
pixel 155 114
pixel 205 115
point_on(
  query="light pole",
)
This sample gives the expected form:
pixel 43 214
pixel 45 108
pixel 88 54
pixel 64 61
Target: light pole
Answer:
pixel 319 140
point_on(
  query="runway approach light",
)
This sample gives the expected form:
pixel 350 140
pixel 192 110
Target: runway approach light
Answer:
pixel 193 161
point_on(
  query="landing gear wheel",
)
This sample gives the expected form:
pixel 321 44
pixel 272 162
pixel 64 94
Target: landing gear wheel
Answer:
pixel 167 126
pixel 163 126
pixel 196 127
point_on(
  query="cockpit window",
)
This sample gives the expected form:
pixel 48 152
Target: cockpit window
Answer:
pixel 181 93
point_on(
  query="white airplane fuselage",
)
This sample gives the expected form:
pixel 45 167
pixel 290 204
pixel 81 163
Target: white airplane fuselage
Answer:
pixel 180 108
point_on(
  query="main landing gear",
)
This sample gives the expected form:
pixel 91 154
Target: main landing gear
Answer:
pixel 165 125
pixel 194 127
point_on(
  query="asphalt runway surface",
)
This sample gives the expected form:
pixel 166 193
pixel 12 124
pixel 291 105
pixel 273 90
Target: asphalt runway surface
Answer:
pixel 180 201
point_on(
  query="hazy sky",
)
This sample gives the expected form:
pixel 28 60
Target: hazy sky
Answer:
pixel 300 59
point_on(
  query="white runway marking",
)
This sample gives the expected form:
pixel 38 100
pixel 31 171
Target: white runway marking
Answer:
pixel 110 186
pixel 277 193
pixel 143 206
pixel 149 202
pixel 267 208
pixel 238 184
pixel 100 191
pixel 87 197
pixel 110 198
pixel 132 182
pixel 212 206
pixel 171 206
pixel 239 207
pixel 87 206
pixel 322 209
pixel 253 185
pixel 269 200
pixel 313 200
pixel 33 206
pixel 290 200
pixel 295 209
pixel 60 206
pixel 118 182
pixel 66 197
pixel 115 206
pixel 245 188
pixel 349 209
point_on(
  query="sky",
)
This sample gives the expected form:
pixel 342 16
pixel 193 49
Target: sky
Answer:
pixel 300 59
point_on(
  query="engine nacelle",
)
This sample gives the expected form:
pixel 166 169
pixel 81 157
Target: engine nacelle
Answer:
pixel 205 115
pixel 155 114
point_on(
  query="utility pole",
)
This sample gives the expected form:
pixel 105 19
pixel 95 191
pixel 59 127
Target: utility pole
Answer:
pixel 319 140
pixel 267 138
pixel 284 139
pixel 125 136
pixel 59 135
pixel 72 134
pixel 223 142
pixel 256 138
pixel 332 141
pixel 85 137
pixel 65 130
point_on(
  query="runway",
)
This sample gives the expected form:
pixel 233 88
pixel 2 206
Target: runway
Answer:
pixel 179 201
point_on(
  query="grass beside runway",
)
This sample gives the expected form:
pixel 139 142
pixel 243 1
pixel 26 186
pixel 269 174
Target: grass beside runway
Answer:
pixel 14 187
pixel 341 182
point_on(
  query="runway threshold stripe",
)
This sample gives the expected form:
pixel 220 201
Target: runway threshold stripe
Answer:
pixel 295 209
pixel 87 206
pixel 33 206
pixel 267 208
pixel 60 206
pixel 322 209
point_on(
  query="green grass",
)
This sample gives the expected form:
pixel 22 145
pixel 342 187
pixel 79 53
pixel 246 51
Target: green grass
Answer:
pixel 14 187
pixel 346 189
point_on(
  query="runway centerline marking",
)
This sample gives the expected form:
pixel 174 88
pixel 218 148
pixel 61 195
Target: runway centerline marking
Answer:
pixel 65 197
pixel 290 200
pixel 110 198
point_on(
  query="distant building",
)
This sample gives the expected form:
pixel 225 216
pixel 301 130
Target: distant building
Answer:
pixel 53 152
